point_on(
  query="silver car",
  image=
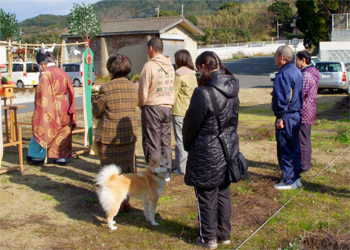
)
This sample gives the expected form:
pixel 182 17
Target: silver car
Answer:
pixel 75 72
pixel 333 75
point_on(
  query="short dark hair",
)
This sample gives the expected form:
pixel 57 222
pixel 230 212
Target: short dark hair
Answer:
pixel 156 43
pixel 119 65
pixel 183 58
pixel 304 54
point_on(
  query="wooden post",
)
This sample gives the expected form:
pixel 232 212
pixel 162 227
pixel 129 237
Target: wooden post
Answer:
pixel 63 47
pixel 25 54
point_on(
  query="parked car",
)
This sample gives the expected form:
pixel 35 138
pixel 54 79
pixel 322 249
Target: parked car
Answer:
pixel 29 78
pixel 333 75
pixel 75 73
pixel 314 60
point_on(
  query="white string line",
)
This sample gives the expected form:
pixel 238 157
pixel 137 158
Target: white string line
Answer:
pixel 290 199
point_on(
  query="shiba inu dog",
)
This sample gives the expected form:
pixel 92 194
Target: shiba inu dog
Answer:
pixel 147 186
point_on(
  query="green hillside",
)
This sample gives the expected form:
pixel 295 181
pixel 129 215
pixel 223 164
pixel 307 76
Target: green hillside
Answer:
pixel 46 28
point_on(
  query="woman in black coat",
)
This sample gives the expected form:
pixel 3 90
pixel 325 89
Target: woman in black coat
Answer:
pixel 206 165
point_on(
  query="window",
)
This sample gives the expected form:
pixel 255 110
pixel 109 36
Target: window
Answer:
pixel 329 67
pixel 17 68
pixel 32 68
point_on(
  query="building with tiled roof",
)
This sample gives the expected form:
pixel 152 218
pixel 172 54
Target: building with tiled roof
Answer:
pixel 130 37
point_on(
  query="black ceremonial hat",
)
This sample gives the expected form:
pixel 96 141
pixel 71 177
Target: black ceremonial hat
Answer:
pixel 40 56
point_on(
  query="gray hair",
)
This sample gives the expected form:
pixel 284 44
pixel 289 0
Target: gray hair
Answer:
pixel 286 51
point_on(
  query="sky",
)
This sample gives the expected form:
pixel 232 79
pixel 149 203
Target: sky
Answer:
pixel 25 9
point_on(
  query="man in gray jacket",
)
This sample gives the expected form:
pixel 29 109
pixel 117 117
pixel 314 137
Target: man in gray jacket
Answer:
pixel 156 98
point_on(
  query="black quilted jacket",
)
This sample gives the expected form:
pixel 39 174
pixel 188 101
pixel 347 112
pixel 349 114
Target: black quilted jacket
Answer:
pixel 206 163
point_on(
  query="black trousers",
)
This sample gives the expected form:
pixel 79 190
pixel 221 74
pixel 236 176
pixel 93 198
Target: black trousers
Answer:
pixel 156 132
pixel 214 212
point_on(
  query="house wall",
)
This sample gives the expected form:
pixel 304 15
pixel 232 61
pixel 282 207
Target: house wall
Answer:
pixel 134 47
pixel 190 43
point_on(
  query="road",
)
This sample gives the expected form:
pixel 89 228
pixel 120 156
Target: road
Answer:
pixel 251 73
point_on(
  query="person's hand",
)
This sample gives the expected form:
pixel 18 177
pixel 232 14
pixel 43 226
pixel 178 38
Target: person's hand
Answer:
pixel 279 124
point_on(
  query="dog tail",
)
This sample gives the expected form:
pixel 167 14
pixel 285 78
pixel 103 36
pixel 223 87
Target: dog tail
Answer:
pixel 104 180
pixel 106 175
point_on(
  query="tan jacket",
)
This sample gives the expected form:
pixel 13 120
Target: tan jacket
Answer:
pixel 156 84
pixel 185 83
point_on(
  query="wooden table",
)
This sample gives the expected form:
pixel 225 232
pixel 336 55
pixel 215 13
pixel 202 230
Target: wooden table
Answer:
pixel 13 134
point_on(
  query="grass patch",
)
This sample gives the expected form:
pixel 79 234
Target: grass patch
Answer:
pixel 343 134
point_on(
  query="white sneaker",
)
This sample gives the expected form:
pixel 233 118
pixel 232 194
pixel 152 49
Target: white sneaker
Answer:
pixel 285 186
pixel 298 183
pixel 224 242
pixel 177 172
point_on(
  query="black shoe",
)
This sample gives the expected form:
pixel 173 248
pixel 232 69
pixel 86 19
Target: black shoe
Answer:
pixel 33 161
pixel 59 163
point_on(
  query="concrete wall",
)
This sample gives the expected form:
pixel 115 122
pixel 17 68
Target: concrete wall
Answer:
pixel 226 53
pixel 334 51
pixel 340 35
pixel 137 54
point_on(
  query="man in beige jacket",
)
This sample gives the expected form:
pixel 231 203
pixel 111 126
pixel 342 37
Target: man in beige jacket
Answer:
pixel 156 98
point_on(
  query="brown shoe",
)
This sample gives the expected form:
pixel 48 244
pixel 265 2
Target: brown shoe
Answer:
pixel 122 208
pixel 126 204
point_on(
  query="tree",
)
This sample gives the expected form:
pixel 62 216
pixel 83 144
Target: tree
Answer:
pixel 9 27
pixel 167 13
pixel 84 22
pixel 282 10
pixel 315 18
pixel 233 7
pixel 192 19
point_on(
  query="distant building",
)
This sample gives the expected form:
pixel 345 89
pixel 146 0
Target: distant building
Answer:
pixel 293 25
pixel 130 37
pixel 338 49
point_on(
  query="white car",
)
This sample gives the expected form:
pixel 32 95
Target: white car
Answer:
pixel 75 73
pixel 29 78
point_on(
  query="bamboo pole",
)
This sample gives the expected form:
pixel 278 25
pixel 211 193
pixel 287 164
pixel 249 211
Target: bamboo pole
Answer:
pixel 48 45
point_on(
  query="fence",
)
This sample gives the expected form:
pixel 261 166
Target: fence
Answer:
pixel 340 21
pixel 250 44
pixel 229 51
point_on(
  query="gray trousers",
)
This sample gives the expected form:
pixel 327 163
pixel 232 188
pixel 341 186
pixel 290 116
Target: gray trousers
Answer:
pixel 180 153
pixel 305 146
pixel 156 132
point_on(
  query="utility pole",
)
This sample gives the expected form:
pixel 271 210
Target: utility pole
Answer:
pixel 157 9
pixel 182 10
pixel 278 36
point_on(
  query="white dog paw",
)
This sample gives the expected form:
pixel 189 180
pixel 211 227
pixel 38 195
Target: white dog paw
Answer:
pixel 154 223
pixel 113 227
pixel 113 222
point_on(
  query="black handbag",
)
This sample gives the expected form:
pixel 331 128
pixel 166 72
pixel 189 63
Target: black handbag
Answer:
pixel 237 166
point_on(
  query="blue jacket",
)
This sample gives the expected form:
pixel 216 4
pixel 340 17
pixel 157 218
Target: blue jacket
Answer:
pixel 287 91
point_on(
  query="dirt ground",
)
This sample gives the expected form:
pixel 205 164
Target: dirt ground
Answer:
pixel 55 207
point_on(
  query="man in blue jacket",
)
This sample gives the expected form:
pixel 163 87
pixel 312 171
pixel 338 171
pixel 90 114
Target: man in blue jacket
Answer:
pixel 287 103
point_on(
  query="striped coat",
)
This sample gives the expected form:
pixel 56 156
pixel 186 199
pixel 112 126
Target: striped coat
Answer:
pixel 116 132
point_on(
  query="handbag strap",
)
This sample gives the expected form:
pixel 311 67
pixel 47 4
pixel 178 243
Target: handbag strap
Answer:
pixel 216 112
